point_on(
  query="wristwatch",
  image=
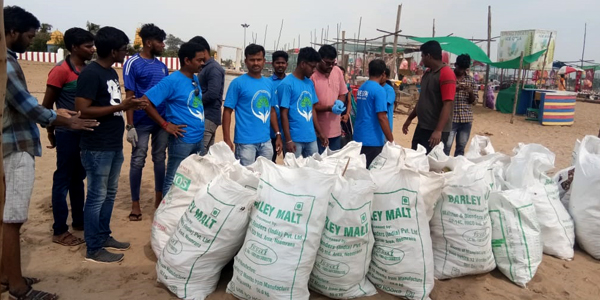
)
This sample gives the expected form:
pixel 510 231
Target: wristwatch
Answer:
pixel 277 133
pixel 129 127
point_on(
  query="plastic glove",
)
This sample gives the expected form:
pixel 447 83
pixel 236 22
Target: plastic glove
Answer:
pixel 338 107
pixel 132 137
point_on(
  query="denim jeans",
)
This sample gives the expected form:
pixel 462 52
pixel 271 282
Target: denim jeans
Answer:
pixel 160 138
pixel 103 169
pixel 306 149
pixel 248 153
pixel 178 151
pixel 335 143
pixel 68 178
pixel 461 131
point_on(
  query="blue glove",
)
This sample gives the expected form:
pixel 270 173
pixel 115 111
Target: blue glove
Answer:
pixel 338 107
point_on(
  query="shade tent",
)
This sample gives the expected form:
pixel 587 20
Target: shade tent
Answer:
pixel 568 69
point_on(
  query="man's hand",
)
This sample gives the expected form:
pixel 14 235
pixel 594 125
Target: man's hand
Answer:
pixel 435 138
pixel 51 137
pixel 132 137
pixel 345 118
pixel 176 130
pixel 63 112
pixel 133 103
pixel 405 127
pixel 324 140
pixel 82 124
pixel 278 145
pixel 290 147
pixel 230 144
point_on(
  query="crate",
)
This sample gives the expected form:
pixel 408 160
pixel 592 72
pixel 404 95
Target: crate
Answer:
pixel 532 114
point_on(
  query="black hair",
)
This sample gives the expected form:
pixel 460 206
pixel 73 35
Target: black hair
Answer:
pixel 278 54
pixel 387 72
pixel 342 68
pixel 76 37
pixel 463 61
pixel 253 49
pixel 152 32
pixel 188 50
pixel 308 54
pixel 202 41
pixel 376 67
pixel 432 48
pixel 108 39
pixel 328 51
pixel 19 20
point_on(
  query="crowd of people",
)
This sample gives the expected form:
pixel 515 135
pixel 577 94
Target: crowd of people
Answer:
pixel 83 110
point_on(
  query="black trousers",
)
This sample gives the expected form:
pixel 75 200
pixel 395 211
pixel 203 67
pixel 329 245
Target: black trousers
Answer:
pixel 371 153
pixel 421 137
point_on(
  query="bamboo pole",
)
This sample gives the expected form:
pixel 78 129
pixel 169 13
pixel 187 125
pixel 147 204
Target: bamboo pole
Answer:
pixel 545 57
pixel 514 111
pixel 280 29
pixel 383 48
pixel 489 42
pixel 265 41
pixel 395 51
pixel 344 60
pixel 3 78
pixel 433 33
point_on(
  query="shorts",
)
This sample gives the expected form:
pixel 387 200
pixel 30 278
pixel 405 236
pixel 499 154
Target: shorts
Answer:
pixel 19 170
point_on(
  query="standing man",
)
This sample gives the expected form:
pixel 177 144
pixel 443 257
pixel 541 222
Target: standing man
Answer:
pixel 330 87
pixel 99 96
pixel 390 96
pixel 181 93
pixel 466 97
pixel 212 82
pixel 280 64
pixel 140 73
pixel 250 97
pixel 372 127
pixel 70 174
pixel 20 145
pixel 434 108
pixel 296 97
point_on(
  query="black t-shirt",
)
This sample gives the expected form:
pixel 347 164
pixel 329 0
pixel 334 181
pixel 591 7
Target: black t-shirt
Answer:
pixel 101 85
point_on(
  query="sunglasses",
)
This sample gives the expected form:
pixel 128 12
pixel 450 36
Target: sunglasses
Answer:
pixel 196 90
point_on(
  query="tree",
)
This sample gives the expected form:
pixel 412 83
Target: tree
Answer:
pixel 41 38
pixel 173 43
pixel 228 63
pixel 92 27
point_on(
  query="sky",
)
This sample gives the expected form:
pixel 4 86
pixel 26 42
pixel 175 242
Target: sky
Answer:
pixel 220 21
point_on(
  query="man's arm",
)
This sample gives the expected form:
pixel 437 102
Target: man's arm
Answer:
pixel 226 123
pixel 324 139
pixel 285 123
pixel 93 112
pixel 215 80
pixel 318 107
pixel 52 93
pixel 275 126
pixel 129 112
pixel 385 126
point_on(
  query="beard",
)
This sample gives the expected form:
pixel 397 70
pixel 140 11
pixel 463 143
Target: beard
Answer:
pixel 155 52
pixel 21 45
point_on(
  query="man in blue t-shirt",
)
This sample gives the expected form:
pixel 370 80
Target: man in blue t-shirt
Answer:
pixel 372 127
pixel 250 96
pixel 184 115
pixel 390 96
pixel 296 97
pixel 140 73
pixel 280 65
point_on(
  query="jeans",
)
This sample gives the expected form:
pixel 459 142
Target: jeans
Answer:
pixel 248 153
pixel 335 143
pixel 68 178
pixel 160 139
pixel 210 129
pixel 461 131
pixel 178 151
pixel 421 137
pixel 306 149
pixel 103 169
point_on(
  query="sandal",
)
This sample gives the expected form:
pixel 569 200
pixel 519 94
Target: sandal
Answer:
pixel 29 281
pixel 67 239
pixel 33 295
pixel 135 217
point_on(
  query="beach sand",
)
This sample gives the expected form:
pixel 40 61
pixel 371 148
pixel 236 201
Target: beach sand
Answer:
pixel 64 271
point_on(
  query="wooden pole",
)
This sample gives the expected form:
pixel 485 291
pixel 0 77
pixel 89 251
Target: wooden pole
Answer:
pixel 3 78
pixel 383 48
pixel 356 50
pixel 433 33
pixel 545 57
pixel 280 28
pixel 584 37
pixel 344 60
pixel 265 42
pixel 489 42
pixel 395 51
pixel 365 59
pixel 514 111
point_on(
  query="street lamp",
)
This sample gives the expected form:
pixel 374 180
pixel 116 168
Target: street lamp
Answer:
pixel 245 26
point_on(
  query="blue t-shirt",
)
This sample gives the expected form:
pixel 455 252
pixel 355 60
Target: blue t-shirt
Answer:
pixel 391 98
pixel 250 98
pixel 183 106
pixel 140 75
pixel 275 81
pixel 298 96
pixel 370 100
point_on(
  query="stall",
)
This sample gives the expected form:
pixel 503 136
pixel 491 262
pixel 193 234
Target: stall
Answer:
pixel 549 107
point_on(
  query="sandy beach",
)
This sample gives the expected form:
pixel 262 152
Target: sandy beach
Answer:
pixel 64 271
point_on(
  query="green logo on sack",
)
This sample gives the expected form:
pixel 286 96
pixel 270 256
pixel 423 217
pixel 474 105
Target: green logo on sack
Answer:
pixel 299 206
pixel 332 268
pixel 363 218
pixel 215 212
pixel 405 200
pixel 259 253
pixel 387 255
pixel 410 294
pixel 181 182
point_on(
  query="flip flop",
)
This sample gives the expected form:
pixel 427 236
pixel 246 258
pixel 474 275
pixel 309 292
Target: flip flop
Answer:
pixel 32 294
pixel 135 217
pixel 68 240
pixel 28 281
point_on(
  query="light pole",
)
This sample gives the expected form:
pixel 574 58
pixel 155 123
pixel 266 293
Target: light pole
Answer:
pixel 245 27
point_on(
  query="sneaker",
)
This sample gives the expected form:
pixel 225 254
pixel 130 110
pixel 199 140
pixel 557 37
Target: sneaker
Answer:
pixel 113 244
pixel 105 257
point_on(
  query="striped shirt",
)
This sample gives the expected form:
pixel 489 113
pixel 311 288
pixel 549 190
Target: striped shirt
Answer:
pixel 463 111
pixel 21 113
pixel 140 75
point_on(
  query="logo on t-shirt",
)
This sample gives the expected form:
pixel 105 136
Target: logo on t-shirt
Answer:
pixel 114 89
pixel 195 106
pixel 304 105
pixel 261 107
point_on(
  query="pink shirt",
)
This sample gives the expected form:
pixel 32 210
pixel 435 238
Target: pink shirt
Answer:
pixel 328 90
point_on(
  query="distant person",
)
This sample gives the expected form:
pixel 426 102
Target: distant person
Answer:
pixel 99 96
pixel 390 96
pixel 372 127
pixel 140 73
pixel 466 97
pixel 331 89
pixel 347 126
pixel 489 98
pixel 280 65
pixel 562 86
pixel 212 83
pixel 250 96
pixel 296 97
pixel 21 144
pixel 70 174
pixel 184 119
pixel 434 108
